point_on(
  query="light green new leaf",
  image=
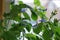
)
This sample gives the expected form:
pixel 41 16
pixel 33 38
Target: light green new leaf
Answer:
pixel 37 2
pixel 26 15
pixel 20 2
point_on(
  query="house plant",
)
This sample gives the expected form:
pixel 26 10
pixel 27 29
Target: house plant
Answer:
pixel 49 29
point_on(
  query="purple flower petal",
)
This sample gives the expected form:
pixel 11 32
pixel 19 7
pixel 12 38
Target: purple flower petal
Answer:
pixel 23 9
pixel 42 20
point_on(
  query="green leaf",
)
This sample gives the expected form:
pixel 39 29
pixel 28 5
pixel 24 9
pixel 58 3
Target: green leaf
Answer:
pixel 57 36
pixel 23 6
pixel 29 27
pixel 47 34
pixel 57 30
pixel 30 36
pixel 42 15
pixel 20 2
pixel 34 15
pixel 38 28
pixel 55 22
pixel 17 18
pixel 26 15
pixel 9 36
pixel 57 33
pixel 15 9
pixel 37 2
pixel 26 25
pixel 38 38
pixel 51 25
pixel 17 27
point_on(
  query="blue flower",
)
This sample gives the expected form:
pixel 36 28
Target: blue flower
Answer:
pixel 39 9
pixel 23 9
pixel 42 20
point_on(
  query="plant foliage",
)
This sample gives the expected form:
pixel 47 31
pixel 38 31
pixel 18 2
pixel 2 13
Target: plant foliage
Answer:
pixel 11 31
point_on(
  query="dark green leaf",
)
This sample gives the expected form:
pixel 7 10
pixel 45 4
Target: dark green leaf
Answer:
pixel 57 30
pixel 17 27
pixel 34 15
pixel 47 34
pixel 57 36
pixel 9 36
pixel 38 28
pixel 17 18
pixel 29 27
pixel 55 22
